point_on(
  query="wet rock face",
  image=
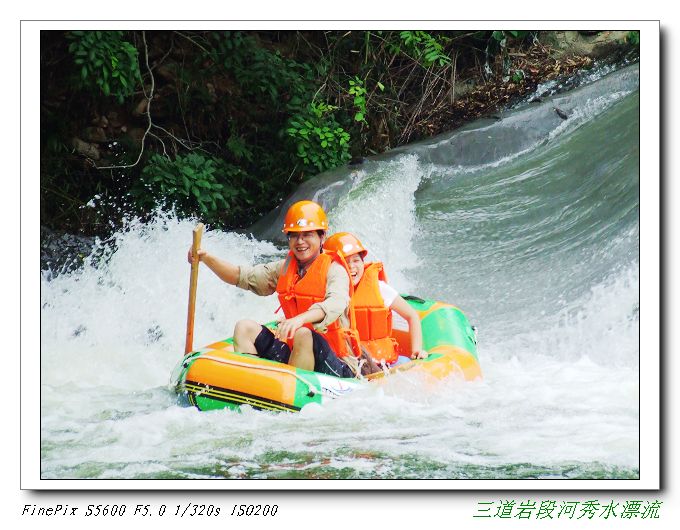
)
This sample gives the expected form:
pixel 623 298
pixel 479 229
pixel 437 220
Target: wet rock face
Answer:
pixel 595 44
pixel 62 252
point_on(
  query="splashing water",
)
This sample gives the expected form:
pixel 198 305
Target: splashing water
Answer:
pixel 538 244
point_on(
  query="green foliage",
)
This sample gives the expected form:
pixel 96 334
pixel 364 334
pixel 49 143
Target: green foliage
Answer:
pixel 633 38
pixel 106 62
pixel 518 76
pixel 270 91
pixel 502 36
pixel 262 71
pixel 497 45
pixel 247 115
pixel 356 89
pixel 195 184
pixel 321 142
pixel 238 147
pixel 426 48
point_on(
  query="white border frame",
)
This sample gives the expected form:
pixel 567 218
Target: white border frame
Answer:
pixel 649 266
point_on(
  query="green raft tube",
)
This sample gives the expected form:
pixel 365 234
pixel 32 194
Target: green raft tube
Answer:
pixel 217 377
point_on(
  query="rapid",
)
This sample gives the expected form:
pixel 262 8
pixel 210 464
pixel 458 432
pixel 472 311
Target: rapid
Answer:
pixel 529 223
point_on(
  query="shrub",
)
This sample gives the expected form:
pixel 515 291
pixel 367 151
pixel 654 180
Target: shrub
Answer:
pixel 427 49
pixel 321 142
pixel 195 184
pixel 356 89
pixel 107 62
pixel 633 38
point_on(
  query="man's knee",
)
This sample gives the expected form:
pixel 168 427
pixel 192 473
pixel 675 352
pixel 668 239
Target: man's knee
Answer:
pixel 303 332
pixel 302 335
pixel 247 328
pixel 302 355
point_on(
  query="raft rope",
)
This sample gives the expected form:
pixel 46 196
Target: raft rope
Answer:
pixel 312 391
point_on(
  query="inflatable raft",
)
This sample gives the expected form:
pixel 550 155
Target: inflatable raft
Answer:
pixel 217 377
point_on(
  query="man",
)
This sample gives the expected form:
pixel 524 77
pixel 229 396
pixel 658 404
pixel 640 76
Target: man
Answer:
pixel 314 291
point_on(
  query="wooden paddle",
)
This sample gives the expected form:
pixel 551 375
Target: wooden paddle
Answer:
pixel 193 282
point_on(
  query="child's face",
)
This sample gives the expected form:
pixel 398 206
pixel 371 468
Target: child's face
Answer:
pixel 356 267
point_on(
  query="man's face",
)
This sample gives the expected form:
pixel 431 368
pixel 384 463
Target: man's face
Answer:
pixel 305 245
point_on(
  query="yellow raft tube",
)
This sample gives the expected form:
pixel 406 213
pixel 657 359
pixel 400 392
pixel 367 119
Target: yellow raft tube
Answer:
pixel 217 377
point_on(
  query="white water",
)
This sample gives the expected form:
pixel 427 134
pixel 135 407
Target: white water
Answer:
pixel 560 353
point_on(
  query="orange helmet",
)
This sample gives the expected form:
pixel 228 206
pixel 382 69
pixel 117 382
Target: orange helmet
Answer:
pixel 345 244
pixel 305 216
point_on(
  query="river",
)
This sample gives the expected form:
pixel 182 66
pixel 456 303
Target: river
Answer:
pixel 529 223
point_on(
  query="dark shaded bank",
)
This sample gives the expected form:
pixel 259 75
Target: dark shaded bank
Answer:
pixel 224 125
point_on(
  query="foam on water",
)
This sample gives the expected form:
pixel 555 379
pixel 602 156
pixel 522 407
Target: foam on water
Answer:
pixel 120 323
pixel 586 111
pixel 380 211
pixel 558 346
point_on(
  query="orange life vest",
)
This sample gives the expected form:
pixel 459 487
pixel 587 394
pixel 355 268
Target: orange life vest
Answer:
pixel 296 295
pixel 373 319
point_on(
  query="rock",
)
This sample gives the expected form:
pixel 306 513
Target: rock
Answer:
pixel 561 113
pixel 86 149
pixel 99 121
pixel 63 252
pixel 464 87
pixel 211 92
pixel 94 134
pixel 135 135
pixel 114 120
pixel 168 72
pixel 595 44
pixel 140 108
